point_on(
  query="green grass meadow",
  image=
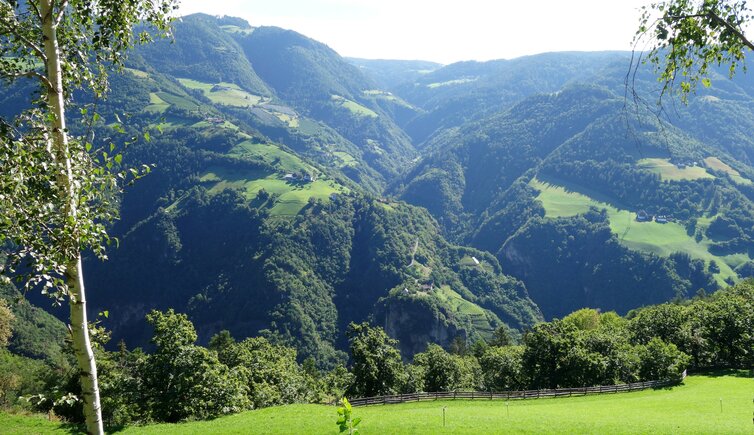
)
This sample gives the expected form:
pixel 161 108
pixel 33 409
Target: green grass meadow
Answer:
pixel 228 94
pixel 670 172
pixel 355 108
pixel 691 408
pixel 293 196
pixel 719 165
pixel 660 239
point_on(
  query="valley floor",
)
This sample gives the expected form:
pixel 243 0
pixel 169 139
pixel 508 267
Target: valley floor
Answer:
pixel 704 404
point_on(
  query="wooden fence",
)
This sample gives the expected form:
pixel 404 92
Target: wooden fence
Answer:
pixel 512 395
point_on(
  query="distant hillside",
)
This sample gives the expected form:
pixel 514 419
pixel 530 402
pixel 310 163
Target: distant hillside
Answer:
pixel 317 81
pixel 467 91
pixel 295 191
pixel 392 73
pixel 265 203
pixel 36 333
pixel 490 183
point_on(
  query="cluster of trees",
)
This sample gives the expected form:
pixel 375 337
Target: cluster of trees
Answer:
pixel 585 348
pixel 180 380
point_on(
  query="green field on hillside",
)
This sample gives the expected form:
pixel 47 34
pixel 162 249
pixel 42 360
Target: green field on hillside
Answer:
pixel 274 155
pixel 355 108
pixel 293 195
pixel 345 159
pixel 387 96
pixel 138 73
pixel 177 101
pixel 691 408
pixel 661 239
pixel 156 104
pixel 228 94
pixel 718 165
pixel 451 82
pixel 463 308
pixel 670 172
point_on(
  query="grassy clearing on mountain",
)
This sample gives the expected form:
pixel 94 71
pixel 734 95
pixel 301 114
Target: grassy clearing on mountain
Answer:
pixel 477 315
pixel 703 404
pixel 156 104
pixel 274 155
pixel 355 108
pixel 670 172
pixel 654 237
pixel 138 73
pixel 228 94
pixel 224 125
pixel 290 120
pixel 292 195
pixel 718 165
pixel 451 82
pixel 387 96
pixel 236 29
pixel 346 160
pixel 177 101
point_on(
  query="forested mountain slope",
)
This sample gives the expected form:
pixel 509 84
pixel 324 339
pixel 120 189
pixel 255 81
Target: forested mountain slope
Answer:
pixel 516 183
pixel 293 192
pixel 260 215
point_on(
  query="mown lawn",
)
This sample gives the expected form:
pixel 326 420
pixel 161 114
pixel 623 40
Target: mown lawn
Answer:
pixel 691 408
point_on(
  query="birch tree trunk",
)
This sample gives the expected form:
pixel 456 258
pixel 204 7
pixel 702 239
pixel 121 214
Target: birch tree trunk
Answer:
pixel 74 272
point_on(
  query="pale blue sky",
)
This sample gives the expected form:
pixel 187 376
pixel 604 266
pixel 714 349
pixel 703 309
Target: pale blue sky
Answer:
pixel 443 31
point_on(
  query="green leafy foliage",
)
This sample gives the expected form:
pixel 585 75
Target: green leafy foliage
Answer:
pixel 346 422
pixel 272 375
pixel 660 360
pixel 182 380
pixel 442 371
pixel 6 319
pixel 377 365
pixel 502 368
pixel 689 38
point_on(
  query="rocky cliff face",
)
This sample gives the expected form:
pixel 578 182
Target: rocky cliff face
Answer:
pixel 414 322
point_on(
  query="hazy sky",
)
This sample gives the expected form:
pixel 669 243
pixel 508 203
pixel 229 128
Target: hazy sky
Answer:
pixel 443 31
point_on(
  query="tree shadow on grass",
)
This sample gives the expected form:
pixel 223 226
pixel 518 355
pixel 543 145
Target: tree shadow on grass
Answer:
pixel 717 373
pixel 668 387
pixel 71 428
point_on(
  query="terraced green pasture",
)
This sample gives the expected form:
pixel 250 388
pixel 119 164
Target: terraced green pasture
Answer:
pixel 138 73
pixel 670 172
pixel 384 95
pixel 355 108
pixel 228 94
pixel 478 315
pixel 450 83
pixel 156 104
pixel 177 101
pixel 273 155
pixel 661 239
pixel 719 165
pixel 293 195
pixel 345 159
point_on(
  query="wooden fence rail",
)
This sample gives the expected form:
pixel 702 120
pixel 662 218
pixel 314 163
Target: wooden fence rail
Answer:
pixel 512 395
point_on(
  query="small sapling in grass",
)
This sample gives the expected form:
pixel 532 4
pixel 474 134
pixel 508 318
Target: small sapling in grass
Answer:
pixel 346 422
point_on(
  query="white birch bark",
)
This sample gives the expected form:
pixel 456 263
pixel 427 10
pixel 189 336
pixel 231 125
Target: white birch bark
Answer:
pixel 74 273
